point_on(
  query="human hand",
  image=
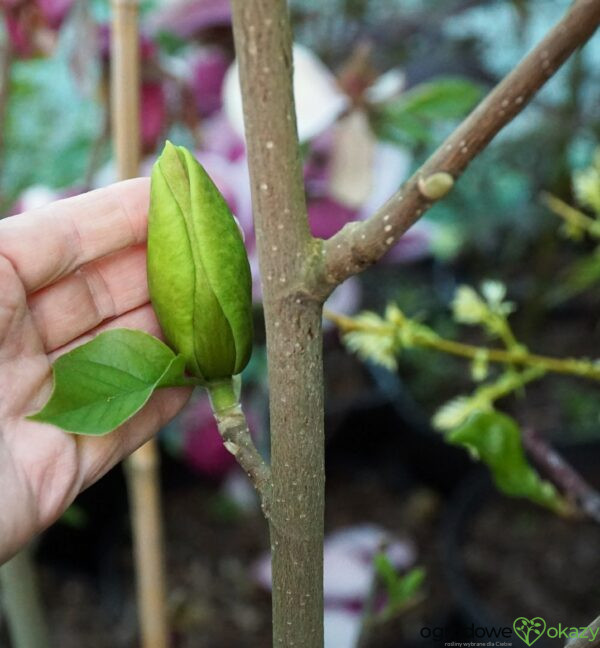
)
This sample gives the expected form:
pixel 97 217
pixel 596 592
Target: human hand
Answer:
pixel 67 271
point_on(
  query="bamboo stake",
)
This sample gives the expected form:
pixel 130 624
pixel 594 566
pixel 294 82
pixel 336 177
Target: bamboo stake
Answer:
pixel 144 496
pixel 21 602
pixel 125 90
pixel 142 468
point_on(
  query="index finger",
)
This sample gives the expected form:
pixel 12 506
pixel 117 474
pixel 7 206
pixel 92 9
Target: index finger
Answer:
pixel 52 241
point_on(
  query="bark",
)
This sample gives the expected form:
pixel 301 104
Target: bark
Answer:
pixel 292 318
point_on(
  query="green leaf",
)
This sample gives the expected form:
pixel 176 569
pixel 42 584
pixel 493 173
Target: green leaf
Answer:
pixel 410 584
pixel 401 128
pixel 101 384
pixel 401 589
pixel 409 117
pixel 495 439
pixel 449 98
pixel 385 570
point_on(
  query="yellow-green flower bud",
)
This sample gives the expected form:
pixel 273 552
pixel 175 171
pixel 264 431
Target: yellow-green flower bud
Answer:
pixel 198 272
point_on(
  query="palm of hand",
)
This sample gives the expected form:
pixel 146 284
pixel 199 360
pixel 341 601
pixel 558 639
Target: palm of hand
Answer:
pixel 66 271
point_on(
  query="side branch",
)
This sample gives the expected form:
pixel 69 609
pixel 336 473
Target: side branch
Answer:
pixel 359 245
pixel 238 440
pixel 520 357
pixel 562 473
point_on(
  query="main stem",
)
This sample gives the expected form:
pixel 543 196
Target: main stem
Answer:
pixel 292 317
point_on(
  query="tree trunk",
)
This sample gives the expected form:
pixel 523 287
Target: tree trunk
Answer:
pixel 287 254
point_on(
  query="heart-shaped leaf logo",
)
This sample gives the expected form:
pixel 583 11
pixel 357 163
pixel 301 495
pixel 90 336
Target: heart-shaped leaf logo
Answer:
pixel 529 630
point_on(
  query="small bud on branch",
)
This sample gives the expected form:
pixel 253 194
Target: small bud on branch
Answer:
pixel 436 186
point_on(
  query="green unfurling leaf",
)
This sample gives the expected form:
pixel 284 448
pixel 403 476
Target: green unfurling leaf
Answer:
pixel 490 310
pixel 458 410
pixel 454 412
pixel 101 384
pixel 376 343
pixel 401 589
pixel 495 439
pixel 480 366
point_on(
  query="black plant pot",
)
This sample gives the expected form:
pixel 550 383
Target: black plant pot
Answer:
pixel 505 558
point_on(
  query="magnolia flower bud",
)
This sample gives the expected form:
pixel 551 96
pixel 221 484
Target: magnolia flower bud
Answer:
pixel 198 272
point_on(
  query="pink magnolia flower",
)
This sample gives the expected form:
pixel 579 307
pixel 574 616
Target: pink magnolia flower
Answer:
pixel 319 100
pixel 208 68
pixel 31 25
pixel 153 96
pixel 388 167
pixel 153 114
pixel 186 18
pixel 326 216
pixel 219 137
pixel 55 11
